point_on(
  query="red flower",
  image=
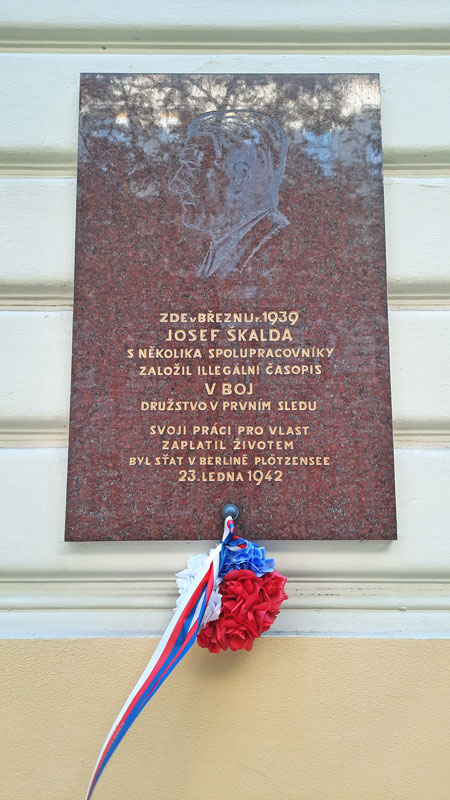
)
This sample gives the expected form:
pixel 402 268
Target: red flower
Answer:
pixel 249 607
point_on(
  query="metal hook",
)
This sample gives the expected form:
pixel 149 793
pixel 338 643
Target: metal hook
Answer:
pixel 230 510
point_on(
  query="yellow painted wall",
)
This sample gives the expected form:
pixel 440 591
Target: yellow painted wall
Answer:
pixel 296 719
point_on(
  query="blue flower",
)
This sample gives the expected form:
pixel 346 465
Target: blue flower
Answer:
pixel 251 557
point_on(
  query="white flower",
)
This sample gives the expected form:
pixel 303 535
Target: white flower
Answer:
pixel 186 580
pixel 214 606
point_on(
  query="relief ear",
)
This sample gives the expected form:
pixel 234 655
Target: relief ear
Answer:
pixel 240 175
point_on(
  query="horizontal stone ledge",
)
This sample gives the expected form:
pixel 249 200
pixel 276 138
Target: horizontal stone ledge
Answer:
pixel 38 163
pixel 24 438
pixel 39 296
pixel 144 622
pixel 48 163
pixel 32 435
pixel 417 296
pixel 57 594
pixel 42 435
pixel 431 436
pixel 47 434
pixel 343 38
pixel 59 297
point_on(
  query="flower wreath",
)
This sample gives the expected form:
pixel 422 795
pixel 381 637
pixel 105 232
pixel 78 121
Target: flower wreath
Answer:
pixel 228 597
pixel 246 598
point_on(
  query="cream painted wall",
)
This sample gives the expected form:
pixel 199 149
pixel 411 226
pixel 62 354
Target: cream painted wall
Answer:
pixel 343 588
pixel 296 719
pixel 355 702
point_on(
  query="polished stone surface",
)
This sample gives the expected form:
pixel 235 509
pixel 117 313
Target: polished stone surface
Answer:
pixel 230 194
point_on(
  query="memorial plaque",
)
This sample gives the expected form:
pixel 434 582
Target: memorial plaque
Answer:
pixel 230 322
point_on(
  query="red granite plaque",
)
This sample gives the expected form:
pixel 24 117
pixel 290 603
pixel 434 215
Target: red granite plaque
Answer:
pixel 230 323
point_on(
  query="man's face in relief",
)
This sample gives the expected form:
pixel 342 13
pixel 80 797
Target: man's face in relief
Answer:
pixel 210 189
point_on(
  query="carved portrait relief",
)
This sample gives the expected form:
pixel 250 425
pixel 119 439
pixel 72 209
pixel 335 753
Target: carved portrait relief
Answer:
pixel 228 183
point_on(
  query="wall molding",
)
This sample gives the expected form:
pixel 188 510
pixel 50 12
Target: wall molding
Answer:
pixel 434 436
pixel 33 434
pixel 59 297
pixel 36 297
pixel 417 297
pixel 38 163
pixel 75 594
pixel 41 434
pixel 48 163
pixel 423 40
pixel 404 163
pixel 63 608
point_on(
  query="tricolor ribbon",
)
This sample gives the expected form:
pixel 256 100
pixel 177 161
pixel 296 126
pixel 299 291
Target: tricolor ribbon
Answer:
pixel 177 639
